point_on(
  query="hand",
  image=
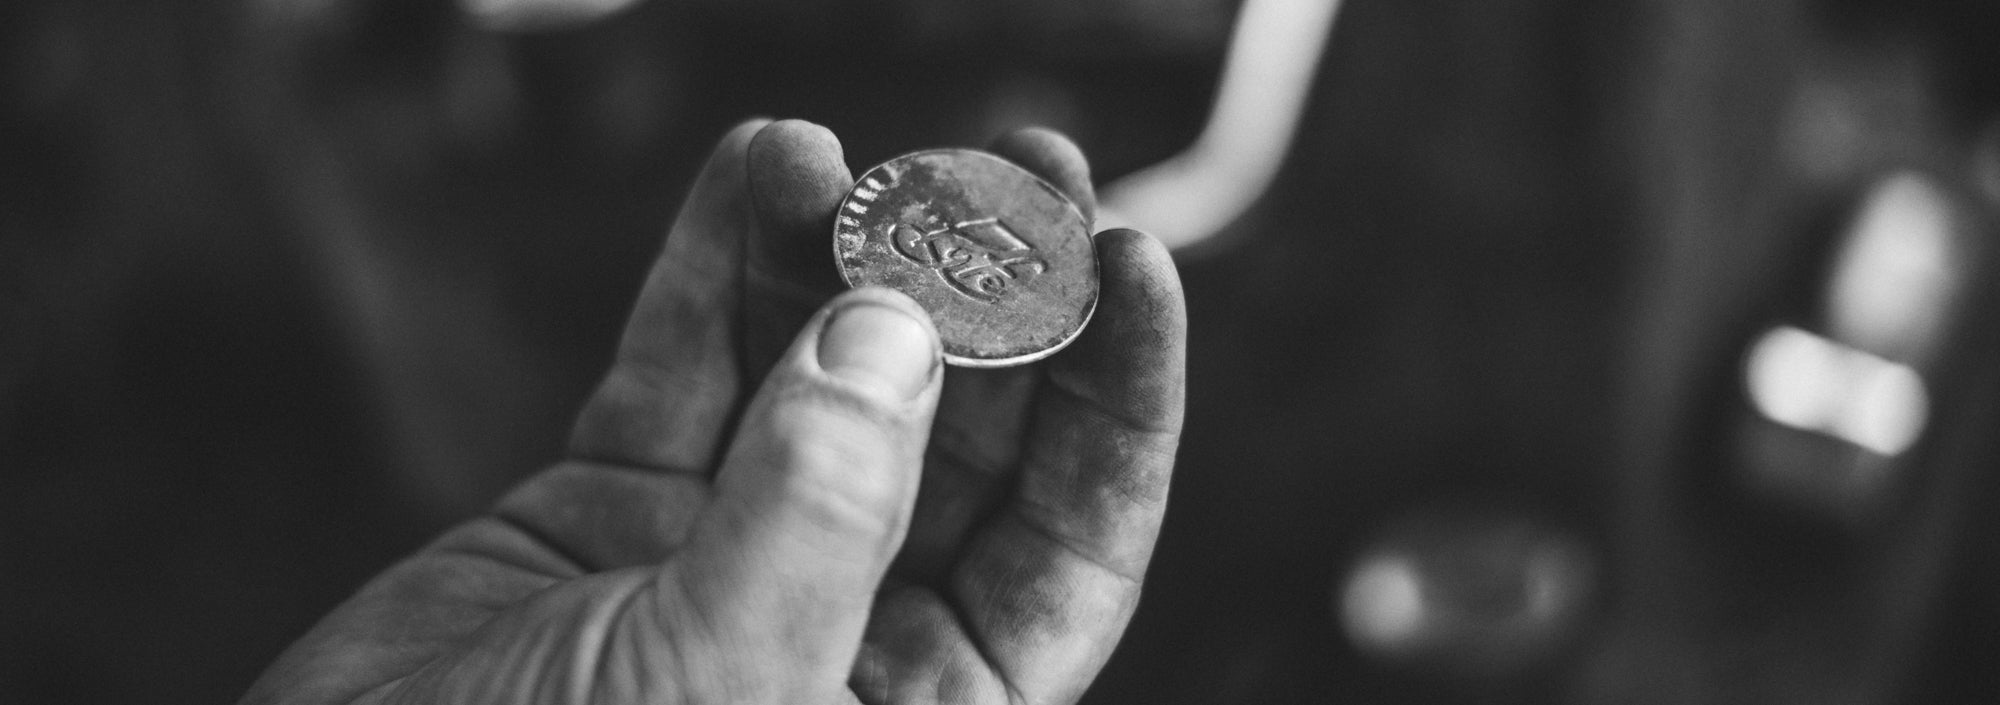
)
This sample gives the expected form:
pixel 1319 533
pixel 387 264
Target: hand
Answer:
pixel 869 526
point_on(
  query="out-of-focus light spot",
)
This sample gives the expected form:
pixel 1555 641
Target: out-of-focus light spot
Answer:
pixel 1383 606
pixel 1896 279
pixel 539 15
pixel 1810 383
pixel 1470 593
pixel 1785 377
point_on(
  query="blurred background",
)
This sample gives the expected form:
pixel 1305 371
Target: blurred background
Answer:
pixel 1542 351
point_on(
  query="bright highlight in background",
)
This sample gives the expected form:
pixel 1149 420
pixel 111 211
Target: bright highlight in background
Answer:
pixel 1486 593
pixel 1267 76
pixel 1383 604
pixel 1896 280
pixel 1811 383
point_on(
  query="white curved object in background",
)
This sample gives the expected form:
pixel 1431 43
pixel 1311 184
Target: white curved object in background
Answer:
pixel 1274 51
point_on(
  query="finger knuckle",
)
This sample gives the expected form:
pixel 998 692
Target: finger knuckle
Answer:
pixel 845 468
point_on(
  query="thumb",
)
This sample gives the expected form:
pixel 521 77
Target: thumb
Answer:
pixel 815 495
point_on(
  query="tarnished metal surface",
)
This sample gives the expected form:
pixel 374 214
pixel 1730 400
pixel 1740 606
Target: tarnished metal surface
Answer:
pixel 1000 259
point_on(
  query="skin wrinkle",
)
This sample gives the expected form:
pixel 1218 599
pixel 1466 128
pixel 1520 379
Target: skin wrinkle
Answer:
pixel 594 648
pixel 871 674
pixel 495 605
pixel 929 641
pixel 981 645
pixel 639 626
pixel 648 471
pixel 964 581
pixel 1121 567
pixel 646 462
pixel 835 403
pixel 1137 499
pixel 1033 577
pixel 1136 416
pixel 696 314
pixel 379 694
pixel 652 627
pixel 888 645
pixel 1089 476
pixel 417 640
pixel 489 535
pixel 1147 414
pixel 633 515
pixel 663 439
pixel 1140 423
pixel 938 536
pixel 1052 624
pixel 705 609
pixel 542 540
pixel 699 622
pixel 435 674
pixel 952 684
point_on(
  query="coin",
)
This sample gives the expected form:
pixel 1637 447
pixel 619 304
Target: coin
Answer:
pixel 1001 260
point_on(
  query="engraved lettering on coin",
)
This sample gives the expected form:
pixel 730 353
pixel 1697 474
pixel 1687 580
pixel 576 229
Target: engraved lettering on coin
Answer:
pixel 1000 259
pixel 978 258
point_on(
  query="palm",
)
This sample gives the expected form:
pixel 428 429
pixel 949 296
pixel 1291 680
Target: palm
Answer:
pixel 1041 492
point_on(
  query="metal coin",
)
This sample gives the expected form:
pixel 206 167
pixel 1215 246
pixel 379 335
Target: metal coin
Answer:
pixel 1000 259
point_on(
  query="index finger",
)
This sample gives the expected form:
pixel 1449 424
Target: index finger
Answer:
pixel 665 401
pixel 663 406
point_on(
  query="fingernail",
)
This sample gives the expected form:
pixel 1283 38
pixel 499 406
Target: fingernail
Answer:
pixel 873 344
